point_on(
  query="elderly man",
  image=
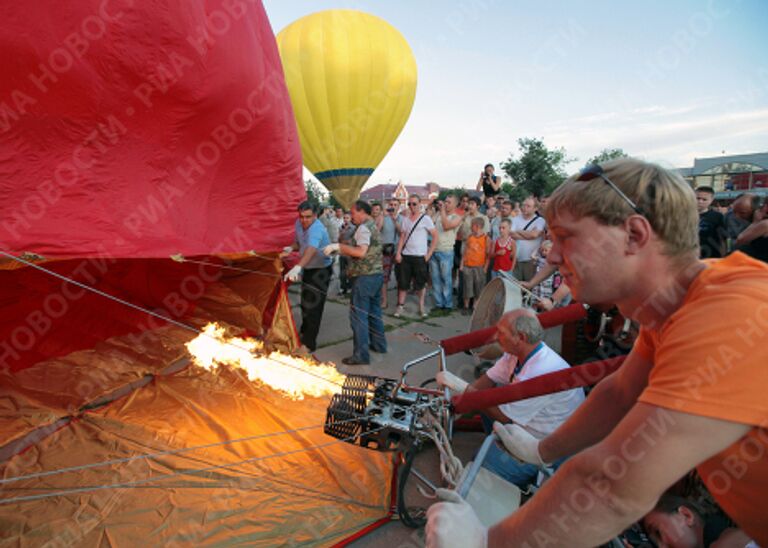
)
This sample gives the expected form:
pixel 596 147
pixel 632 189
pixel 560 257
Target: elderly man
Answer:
pixel 365 271
pixel 525 356
pixel 753 240
pixel 314 270
pixel 528 230
pixel 690 394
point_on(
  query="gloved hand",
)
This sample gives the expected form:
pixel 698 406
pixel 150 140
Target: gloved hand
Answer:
pixel 330 249
pixel 519 443
pixel 448 379
pixel 293 274
pixel 454 523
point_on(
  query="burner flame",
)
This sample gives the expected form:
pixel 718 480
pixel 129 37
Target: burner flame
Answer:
pixel 294 377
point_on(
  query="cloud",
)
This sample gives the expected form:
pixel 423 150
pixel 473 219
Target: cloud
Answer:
pixel 684 132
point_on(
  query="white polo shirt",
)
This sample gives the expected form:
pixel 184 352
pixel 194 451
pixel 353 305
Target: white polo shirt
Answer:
pixel 541 415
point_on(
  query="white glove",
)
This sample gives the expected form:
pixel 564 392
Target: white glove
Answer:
pixel 330 249
pixel 293 274
pixel 448 379
pixel 454 523
pixel 519 443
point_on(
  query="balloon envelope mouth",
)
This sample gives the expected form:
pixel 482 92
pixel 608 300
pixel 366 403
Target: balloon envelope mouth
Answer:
pixel 344 172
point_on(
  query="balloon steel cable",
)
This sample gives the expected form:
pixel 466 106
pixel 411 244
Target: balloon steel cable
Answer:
pixel 162 453
pixel 248 270
pixel 144 481
pixel 152 313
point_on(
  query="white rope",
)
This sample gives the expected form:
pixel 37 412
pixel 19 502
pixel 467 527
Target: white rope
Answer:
pixel 197 471
pixel 155 314
pixel 451 467
pixel 162 453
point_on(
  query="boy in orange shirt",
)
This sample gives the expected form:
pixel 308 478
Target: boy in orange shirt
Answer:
pixel 474 264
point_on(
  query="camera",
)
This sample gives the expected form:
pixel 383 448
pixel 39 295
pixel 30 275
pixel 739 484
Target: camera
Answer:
pixel 390 210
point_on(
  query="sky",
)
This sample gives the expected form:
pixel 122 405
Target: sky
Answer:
pixel 664 81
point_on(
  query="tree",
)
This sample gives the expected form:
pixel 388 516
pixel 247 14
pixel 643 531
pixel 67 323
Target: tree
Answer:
pixel 315 193
pixel 607 154
pixel 334 202
pixel 538 170
pixel 516 193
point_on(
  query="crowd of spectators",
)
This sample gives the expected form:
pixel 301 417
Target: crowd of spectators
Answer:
pixel 454 245
pixel 742 226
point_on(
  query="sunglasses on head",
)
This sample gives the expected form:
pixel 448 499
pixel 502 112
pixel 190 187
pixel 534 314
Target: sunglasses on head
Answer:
pixel 593 171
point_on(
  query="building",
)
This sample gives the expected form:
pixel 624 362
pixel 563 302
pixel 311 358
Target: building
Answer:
pixel 730 175
pixel 385 192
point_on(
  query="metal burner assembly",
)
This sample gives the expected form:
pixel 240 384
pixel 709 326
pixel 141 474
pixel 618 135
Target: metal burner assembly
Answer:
pixel 379 413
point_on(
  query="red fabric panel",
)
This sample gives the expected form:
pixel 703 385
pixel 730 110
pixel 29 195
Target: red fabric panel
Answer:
pixel 574 377
pixel 45 317
pixel 144 129
pixel 558 316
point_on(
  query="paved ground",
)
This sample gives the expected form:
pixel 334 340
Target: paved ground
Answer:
pixel 335 343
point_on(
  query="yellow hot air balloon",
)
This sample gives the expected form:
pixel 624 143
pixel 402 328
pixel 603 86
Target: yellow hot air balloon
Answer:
pixel 352 80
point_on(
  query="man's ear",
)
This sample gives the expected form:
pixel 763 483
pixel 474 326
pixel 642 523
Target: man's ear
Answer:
pixel 688 515
pixel 639 233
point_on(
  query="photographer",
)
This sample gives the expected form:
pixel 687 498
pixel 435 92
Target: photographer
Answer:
pixel 489 183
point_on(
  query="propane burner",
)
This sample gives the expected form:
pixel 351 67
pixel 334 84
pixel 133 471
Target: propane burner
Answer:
pixel 377 413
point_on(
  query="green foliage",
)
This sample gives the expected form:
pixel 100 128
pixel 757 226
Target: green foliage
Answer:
pixel 538 170
pixel 334 202
pixel 315 192
pixel 607 154
pixel 516 193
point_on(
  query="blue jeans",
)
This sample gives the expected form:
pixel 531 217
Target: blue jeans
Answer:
pixel 365 316
pixel 508 467
pixel 441 266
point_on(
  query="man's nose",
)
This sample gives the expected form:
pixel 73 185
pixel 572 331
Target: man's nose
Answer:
pixel 554 257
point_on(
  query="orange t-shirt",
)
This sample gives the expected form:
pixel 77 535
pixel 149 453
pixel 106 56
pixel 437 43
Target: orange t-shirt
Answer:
pixel 711 359
pixel 476 250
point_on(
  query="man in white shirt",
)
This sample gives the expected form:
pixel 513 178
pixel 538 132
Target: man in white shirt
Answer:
pixel 525 356
pixel 413 254
pixel 528 231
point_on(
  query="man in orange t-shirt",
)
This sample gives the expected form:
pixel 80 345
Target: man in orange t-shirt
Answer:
pixel 691 394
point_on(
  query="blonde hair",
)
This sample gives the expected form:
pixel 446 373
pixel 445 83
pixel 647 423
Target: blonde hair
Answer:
pixel 666 200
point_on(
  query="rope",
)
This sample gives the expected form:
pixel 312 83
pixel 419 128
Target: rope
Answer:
pixel 450 465
pixel 155 314
pixel 162 453
pixel 197 471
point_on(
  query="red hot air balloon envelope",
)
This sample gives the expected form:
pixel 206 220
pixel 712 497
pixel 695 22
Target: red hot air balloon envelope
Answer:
pixel 130 132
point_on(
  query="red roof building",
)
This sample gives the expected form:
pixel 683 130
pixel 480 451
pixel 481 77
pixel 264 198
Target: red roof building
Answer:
pixel 400 191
